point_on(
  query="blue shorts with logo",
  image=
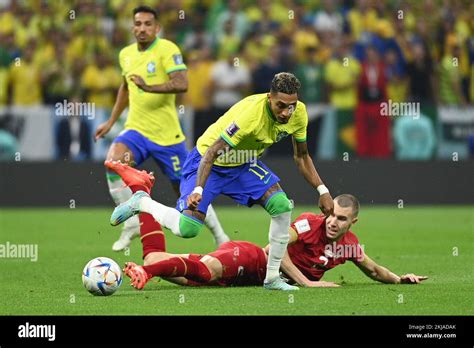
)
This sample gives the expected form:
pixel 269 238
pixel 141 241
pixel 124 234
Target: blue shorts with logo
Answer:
pixel 245 184
pixel 169 158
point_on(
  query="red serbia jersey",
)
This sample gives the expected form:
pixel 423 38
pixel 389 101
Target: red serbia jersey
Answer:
pixel 313 253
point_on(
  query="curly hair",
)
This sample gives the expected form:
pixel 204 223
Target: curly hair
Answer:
pixel 285 82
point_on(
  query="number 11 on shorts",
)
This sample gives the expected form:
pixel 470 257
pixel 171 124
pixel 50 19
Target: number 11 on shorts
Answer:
pixel 261 176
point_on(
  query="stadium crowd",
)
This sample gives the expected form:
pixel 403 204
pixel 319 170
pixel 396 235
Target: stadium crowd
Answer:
pixel 350 56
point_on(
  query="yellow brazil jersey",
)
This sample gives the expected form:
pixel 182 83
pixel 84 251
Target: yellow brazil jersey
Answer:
pixel 153 114
pixel 343 76
pixel 26 83
pixel 100 83
pixel 249 125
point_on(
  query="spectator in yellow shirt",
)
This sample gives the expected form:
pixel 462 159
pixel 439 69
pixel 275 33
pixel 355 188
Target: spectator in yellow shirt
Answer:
pixel 228 43
pixel 397 79
pixel 198 97
pixel 25 28
pixel 25 79
pixel 264 10
pixel 59 76
pixel 84 45
pixel 341 75
pixel 362 19
pixel 304 38
pixel 101 80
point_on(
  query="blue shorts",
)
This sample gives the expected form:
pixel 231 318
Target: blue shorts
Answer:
pixel 245 184
pixel 169 158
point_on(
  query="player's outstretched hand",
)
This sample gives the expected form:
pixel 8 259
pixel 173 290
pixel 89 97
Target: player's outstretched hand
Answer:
pixel 322 284
pixel 412 279
pixel 139 82
pixel 326 204
pixel 193 200
pixel 102 130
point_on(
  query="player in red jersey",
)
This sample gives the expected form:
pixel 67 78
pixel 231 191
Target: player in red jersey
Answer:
pixel 234 263
pixel 317 244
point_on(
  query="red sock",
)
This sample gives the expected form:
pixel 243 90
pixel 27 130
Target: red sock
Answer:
pixel 136 188
pixel 151 232
pixel 151 235
pixel 180 267
pixel 139 187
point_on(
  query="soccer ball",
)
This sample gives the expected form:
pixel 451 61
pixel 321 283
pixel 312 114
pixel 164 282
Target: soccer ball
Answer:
pixel 102 276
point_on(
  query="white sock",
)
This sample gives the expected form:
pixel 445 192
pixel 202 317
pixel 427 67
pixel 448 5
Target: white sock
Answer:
pixel 168 217
pixel 214 225
pixel 121 193
pixel 118 190
pixel 132 224
pixel 279 238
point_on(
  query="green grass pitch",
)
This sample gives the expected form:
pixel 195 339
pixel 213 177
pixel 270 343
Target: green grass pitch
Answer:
pixel 433 241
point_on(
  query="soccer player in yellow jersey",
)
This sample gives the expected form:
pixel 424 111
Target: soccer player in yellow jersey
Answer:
pixel 225 161
pixel 153 72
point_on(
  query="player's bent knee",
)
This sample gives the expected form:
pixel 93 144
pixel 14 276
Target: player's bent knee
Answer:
pixel 278 204
pixel 120 152
pixel 214 266
pixel 155 257
pixel 189 227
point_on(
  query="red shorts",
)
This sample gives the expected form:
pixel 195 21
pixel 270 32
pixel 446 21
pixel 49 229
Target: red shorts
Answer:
pixel 243 263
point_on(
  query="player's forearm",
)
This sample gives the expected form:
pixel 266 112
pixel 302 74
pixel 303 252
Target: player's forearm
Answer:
pixel 178 83
pixel 172 87
pixel 120 104
pixel 307 169
pixel 204 169
pixel 205 166
pixel 208 159
pixel 288 267
pixel 384 275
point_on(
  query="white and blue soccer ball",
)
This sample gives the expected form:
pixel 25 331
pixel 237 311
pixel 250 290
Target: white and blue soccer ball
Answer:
pixel 102 276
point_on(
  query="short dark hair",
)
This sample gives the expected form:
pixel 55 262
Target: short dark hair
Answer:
pixel 346 200
pixel 146 9
pixel 285 82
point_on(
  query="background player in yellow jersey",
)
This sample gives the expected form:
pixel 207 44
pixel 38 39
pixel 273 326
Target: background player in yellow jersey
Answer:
pixel 225 161
pixel 153 71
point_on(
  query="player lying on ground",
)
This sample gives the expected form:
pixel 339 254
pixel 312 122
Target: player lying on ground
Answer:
pixel 226 161
pixel 317 244
pixel 152 128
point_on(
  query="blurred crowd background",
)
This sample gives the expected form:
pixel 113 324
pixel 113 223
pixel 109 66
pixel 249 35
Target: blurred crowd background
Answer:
pixel 350 57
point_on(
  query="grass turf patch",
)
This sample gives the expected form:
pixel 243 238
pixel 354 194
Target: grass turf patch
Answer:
pixel 433 241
